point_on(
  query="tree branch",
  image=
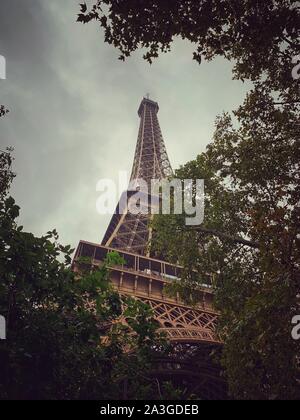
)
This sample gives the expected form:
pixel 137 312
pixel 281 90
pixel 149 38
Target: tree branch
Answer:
pixel 286 103
pixel 221 235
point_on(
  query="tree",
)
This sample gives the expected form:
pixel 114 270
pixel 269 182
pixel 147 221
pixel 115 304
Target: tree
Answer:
pixel 65 336
pixel 6 173
pixel 3 110
pixel 249 244
pixel 260 37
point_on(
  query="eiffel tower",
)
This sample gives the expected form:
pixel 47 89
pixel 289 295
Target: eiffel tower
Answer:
pixel 127 231
pixel 191 330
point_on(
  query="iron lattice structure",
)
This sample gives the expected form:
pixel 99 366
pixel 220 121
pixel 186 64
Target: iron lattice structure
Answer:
pixel 190 330
pixel 130 232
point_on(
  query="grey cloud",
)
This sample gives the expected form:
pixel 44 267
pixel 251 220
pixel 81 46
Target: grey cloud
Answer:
pixel 74 108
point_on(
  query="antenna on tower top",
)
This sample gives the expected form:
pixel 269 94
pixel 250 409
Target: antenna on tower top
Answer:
pixel 148 95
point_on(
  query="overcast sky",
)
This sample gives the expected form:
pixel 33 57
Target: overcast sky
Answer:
pixel 73 116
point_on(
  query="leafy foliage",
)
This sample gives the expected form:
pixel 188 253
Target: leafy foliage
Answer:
pixel 3 110
pixel 261 37
pixel 6 173
pixel 66 338
pixel 249 243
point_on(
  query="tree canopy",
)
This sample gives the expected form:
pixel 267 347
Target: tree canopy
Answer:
pixel 3 110
pixel 66 338
pixel 250 245
pixel 249 242
pixel 260 37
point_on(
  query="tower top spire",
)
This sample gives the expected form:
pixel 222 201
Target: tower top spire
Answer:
pixel 147 103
